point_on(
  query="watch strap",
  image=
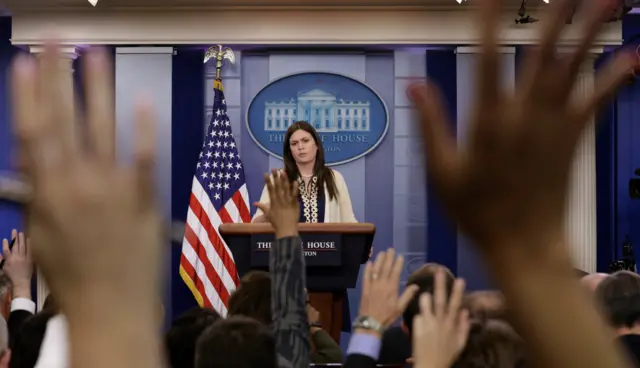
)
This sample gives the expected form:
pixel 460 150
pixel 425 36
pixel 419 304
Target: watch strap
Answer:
pixel 368 323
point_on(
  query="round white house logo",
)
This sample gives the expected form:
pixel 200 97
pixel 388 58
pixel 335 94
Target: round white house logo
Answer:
pixel 350 118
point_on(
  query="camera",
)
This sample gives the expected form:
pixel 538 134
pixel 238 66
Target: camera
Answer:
pixel 628 260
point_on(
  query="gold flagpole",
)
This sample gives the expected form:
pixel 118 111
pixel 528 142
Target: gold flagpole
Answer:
pixel 219 54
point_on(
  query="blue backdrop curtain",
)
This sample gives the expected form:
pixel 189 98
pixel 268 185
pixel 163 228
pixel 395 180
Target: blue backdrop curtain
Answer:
pixel 10 214
pixel 442 245
pixel 187 121
pixel 606 180
pixel 625 143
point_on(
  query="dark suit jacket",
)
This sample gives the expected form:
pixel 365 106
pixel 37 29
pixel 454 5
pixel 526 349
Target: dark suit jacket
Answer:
pixel 396 346
pixel 359 361
pixel 327 350
pixel 15 322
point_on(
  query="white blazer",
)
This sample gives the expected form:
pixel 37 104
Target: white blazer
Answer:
pixel 335 210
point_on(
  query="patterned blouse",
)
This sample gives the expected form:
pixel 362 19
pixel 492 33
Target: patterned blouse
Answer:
pixel 312 201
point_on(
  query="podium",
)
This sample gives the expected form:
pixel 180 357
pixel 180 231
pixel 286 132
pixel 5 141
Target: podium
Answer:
pixel 333 255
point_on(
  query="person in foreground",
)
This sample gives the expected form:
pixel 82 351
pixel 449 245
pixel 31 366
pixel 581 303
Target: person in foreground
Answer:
pixel 323 194
pixel 287 268
pixel 507 191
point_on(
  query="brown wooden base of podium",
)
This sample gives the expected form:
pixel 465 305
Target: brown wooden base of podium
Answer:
pixel 329 305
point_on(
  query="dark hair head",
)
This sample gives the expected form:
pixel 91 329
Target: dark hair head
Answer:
pixel 181 338
pixel 424 278
pixel 492 344
pixel 254 275
pixel 253 298
pixel 619 295
pixel 320 170
pixel 241 340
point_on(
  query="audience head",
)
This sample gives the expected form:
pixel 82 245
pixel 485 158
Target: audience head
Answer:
pixel 424 278
pixel 5 352
pixel 6 288
pixel 254 275
pixel 238 339
pixel 485 304
pixel 592 280
pixel 619 295
pixel 253 298
pixel 183 334
pixel 492 344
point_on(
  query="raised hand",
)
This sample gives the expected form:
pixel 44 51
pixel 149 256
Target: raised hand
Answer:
pixel 511 181
pixel 441 329
pixel 18 264
pixel 381 299
pixel 94 224
pixel 283 211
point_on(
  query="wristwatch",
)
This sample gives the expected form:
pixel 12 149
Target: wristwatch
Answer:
pixel 368 323
pixel 315 324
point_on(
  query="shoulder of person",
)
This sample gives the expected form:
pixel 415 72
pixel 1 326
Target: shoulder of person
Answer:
pixel 336 175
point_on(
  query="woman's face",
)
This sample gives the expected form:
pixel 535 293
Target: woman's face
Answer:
pixel 303 147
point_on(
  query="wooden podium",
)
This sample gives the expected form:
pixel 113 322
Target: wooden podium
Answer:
pixel 333 255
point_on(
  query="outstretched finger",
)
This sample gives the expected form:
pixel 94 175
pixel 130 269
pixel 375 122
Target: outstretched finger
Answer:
pixel 269 182
pixel 145 153
pixel 396 270
pixel 295 191
pixel 455 300
pixel 440 293
pixel 366 281
pixel 100 104
pixel 407 296
pixel 488 66
pixel 558 13
pixel 285 185
pixel 596 15
pixel 58 103
pixel 463 325
pixel 427 306
pixel 27 120
pixel 608 80
pixel 386 269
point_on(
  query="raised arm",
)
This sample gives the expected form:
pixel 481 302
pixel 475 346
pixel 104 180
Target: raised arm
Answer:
pixel 507 189
pixel 287 267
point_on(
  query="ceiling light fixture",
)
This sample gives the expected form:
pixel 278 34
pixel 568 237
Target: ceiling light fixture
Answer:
pixel 93 2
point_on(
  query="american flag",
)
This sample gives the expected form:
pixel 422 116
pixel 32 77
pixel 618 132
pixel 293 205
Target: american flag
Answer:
pixel 218 196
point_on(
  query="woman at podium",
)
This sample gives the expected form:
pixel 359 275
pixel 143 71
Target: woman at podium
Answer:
pixel 324 196
pixel 303 157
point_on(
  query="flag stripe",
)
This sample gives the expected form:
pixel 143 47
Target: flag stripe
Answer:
pixel 210 237
pixel 218 196
pixel 215 263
